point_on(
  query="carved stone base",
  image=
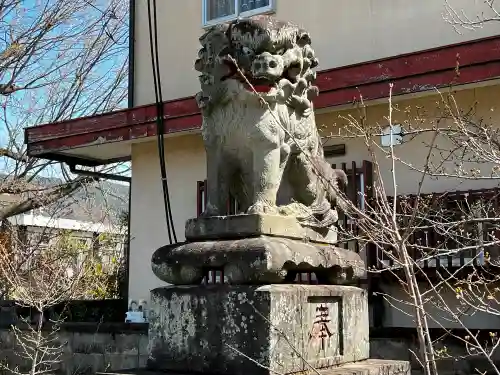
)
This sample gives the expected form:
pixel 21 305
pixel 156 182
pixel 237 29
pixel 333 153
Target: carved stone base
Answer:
pixel 223 329
pixel 241 226
pixel 258 260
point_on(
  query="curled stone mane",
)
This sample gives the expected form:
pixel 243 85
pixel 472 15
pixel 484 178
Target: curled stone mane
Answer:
pixel 269 53
pixel 239 64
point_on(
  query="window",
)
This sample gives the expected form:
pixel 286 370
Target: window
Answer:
pixel 218 11
pixel 392 136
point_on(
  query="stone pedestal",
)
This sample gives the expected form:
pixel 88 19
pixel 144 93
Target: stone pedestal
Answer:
pixel 236 330
pixel 251 225
pixel 257 322
pixel 255 260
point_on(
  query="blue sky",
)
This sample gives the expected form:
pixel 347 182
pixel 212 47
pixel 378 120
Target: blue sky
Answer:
pixel 66 59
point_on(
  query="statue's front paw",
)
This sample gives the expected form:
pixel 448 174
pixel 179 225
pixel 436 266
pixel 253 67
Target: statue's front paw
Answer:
pixel 263 208
pixel 295 209
pixel 210 211
pixel 301 105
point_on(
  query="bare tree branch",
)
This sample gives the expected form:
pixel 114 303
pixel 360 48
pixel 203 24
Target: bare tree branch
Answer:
pixel 59 60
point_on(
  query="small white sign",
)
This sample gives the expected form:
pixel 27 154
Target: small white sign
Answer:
pixel 134 317
pixel 137 312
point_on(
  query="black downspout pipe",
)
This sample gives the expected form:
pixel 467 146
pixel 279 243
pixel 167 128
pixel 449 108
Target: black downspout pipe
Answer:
pixel 127 249
pixel 131 54
pixel 131 103
pixel 107 176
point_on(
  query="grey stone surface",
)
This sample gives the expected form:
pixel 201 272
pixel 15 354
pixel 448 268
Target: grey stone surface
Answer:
pixel 143 361
pixel 123 344
pixel 7 340
pixel 84 353
pixel 397 349
pixel 390 349
pixel 372 367
pixel 216 329
pixel 253 149
pixel 84 364
pixel 8 314
pixel 143 345
pixel 251 225
pixel 258 260
pixel 366 367
pixel 89 343
pixel 121 361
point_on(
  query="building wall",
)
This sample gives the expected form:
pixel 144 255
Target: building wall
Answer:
pixel 421 113
pixel 185 158
pixel 343 32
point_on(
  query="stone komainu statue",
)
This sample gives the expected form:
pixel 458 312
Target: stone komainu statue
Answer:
pixel 266 154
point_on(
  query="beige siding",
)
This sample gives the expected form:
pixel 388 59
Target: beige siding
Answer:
pixel 185 159
pixel 343 31
pixel 415 151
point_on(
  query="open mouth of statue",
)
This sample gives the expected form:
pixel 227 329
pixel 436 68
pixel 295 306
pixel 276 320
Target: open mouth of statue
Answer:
pixel 259 84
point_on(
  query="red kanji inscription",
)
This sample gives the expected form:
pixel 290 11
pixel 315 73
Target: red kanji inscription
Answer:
pixel 320 329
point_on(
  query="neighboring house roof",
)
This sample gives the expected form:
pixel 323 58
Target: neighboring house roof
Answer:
pixel 101 204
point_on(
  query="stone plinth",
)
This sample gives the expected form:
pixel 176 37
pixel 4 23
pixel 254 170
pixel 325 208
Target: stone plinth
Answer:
pixel 257 260
pixel 251 225
pixel 216 329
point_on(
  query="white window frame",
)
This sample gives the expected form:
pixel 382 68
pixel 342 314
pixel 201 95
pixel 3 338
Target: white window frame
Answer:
pixel 271 8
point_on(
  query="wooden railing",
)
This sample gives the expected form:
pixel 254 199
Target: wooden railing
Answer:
pixel 453 229
pixel 358 190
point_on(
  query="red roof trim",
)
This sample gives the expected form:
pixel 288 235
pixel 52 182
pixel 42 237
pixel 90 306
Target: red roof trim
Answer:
pixel 421 71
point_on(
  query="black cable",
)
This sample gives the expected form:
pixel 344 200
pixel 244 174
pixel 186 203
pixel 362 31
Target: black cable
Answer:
pixel 160 128
pixel 159 119
pixel 161 123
